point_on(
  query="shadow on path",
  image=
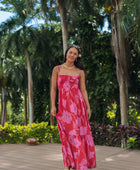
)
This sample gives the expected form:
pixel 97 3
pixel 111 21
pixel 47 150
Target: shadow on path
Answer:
pixel 49 157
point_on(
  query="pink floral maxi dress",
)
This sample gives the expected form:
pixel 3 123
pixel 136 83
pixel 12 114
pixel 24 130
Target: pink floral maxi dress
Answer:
pixel 74 129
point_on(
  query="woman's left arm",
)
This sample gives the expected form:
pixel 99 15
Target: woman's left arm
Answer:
pixel 82 87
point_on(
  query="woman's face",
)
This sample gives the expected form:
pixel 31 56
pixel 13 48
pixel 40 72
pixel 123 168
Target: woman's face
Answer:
pixel 72 54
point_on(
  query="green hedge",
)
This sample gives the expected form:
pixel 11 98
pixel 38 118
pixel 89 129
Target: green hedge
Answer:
pixel 102 134
pixel 12 134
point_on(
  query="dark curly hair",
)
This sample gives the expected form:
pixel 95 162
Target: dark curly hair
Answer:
pixel 78 62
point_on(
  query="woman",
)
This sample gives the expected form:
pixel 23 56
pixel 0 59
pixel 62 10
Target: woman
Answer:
pixel 73 112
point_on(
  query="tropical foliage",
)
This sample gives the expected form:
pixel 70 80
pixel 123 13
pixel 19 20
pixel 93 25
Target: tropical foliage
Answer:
pixel 102 134
pixel 18 134
pixel 28 53
pixel 113 135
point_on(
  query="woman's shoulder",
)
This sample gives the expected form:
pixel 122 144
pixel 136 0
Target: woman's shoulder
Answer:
pixel 55 68
pixel 80 70
pixel 58 66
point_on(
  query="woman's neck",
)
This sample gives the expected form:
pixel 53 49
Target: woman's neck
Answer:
pixel 69 64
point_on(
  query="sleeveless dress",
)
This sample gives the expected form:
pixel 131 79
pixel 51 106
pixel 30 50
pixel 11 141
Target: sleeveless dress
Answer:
pixel 77 143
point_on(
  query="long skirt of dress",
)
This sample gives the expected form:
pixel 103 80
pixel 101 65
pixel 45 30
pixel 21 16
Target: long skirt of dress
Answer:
pixel 77 143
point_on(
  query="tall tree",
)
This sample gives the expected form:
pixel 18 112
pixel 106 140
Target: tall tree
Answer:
pixel 3 85
pixel 125 24
pixel 48 7
pixel 18 36
pixel 119 48
pixel 66 10
pixel 15 67
pixel 118 43
pixel 63 13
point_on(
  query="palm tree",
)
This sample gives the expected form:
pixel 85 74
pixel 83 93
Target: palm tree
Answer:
pixel 65 8
pixel 63 13
pixel 58 5
pixel 16 70
pixel 3 85
pixel 19 37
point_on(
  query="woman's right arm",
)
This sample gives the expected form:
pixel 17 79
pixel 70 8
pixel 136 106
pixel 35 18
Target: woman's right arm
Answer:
pixel 54 90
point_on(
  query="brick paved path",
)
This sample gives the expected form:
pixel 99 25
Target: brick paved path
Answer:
pixel 49 157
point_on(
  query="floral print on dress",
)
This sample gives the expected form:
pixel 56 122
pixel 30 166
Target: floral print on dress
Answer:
pixel 66 86
pixel 66 117
pixel 73 132
pixel 64 103
pixel 73 107
pixel 74 141
pixel 89 140
pixel 83 130
pixel 83 164
pixel 77 143
pixel 91 155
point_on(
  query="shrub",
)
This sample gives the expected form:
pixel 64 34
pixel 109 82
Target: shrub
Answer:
pixel 102 134
pixel 18 134
pixel 113 135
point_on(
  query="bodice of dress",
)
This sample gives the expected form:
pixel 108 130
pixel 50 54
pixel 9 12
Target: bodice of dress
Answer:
pixel 68 82
pixel 69 93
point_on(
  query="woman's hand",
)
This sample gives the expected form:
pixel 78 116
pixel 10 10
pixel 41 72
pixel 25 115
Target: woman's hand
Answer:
pixel 53 111
pixel 88 113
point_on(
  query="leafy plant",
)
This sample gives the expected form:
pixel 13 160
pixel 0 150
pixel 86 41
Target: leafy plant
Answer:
pixel 18 134
pixel 113 135
pixel 131 142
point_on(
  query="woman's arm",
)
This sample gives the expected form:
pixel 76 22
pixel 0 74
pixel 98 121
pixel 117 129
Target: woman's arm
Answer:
pixel 84 92
pixel 54 89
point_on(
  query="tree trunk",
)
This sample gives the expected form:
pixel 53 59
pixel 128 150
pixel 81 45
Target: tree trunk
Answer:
pixel 118 44
pixel 4 96
pixel 63 14
pixel 1 106
pixel 124 104
pixel 51 117
pixel 25 107
pixel 5 111
pixel 30 86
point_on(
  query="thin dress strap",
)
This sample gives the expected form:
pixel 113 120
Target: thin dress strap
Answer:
pixel 59 70
pixel 79 72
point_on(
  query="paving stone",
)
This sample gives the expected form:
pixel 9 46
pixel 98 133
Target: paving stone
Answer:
pixel 49 157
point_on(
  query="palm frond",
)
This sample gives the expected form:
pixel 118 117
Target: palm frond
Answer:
pixel 13 44
pixel 44 7
pixel 17 66
pixel 10 25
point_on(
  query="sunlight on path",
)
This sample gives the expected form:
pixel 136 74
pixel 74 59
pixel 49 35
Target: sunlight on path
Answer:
pixel 49 157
